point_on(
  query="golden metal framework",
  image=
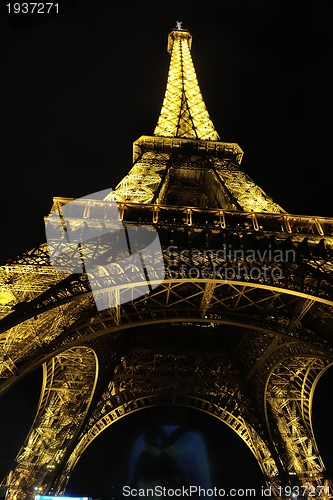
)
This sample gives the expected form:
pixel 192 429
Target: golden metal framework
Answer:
pixel 248 291
pixel 183 112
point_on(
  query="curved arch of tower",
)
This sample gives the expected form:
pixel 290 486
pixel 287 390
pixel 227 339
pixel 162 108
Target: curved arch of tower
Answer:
pixel 230 314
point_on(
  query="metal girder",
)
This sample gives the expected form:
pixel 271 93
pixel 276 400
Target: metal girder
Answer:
pixel 183 112
pixel 69 380
pixel 300 278
pixel 143 379
pixel 289 392
pixel 267 311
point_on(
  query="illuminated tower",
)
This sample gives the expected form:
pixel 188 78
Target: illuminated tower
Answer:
pixel 240 327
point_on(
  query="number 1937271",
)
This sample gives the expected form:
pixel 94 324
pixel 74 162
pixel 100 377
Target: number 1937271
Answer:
pixel 32 8
pixel 309 491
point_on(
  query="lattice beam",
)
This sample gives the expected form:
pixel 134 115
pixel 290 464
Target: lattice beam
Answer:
pixel 183 112
pixel 68 386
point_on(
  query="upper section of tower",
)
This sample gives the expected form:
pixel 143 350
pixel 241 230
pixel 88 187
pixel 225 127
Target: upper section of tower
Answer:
pixel 185 164
pixel 183 112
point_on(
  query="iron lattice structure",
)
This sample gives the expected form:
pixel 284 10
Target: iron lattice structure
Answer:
pixel 241 326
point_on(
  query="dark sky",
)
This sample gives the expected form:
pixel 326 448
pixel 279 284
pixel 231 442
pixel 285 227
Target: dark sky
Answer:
pixel 79 89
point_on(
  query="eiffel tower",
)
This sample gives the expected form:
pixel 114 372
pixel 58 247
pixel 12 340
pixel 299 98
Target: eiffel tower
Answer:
pixel 240 327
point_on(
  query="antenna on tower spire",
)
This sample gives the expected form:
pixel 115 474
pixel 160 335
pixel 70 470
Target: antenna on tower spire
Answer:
pixel 179 25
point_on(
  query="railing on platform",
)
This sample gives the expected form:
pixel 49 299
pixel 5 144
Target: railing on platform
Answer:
pixel 166 215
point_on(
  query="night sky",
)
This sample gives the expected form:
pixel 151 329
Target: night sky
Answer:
pixel 79 89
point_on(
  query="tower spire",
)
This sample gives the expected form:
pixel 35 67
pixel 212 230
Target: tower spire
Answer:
pixel 183 112
pixel 185 163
